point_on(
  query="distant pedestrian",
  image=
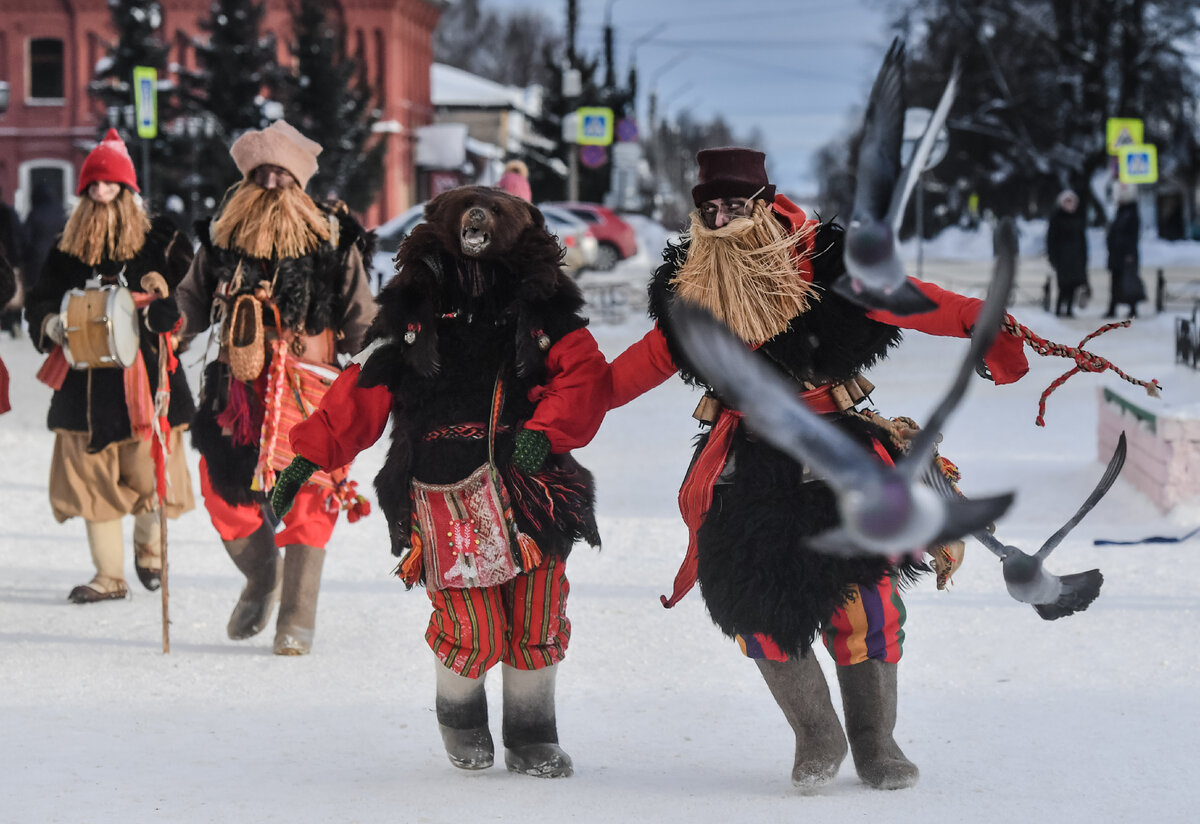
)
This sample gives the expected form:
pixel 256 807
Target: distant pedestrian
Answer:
pixel 45 220
pixel 1123 261
pixel 1066 247
pixel 10 249
pixel 515 180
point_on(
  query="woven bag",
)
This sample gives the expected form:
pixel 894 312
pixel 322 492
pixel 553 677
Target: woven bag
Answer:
pixel 244 338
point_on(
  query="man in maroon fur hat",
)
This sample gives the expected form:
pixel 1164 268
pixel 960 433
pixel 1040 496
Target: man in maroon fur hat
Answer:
pixel 755 260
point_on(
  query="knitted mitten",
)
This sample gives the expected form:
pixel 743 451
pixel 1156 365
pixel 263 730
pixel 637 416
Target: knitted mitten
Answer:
pixel 530 448
pixel 288 483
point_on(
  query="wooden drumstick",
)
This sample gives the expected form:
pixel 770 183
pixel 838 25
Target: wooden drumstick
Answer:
pixel 156 283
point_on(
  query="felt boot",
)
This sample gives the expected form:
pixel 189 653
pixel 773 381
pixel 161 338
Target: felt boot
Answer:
pixel 799 687
pixel 258 559
pixel 530 729
pixel 462 715
pixel 869 702
pixel 108 555
pixel 298 599
pixel 147 549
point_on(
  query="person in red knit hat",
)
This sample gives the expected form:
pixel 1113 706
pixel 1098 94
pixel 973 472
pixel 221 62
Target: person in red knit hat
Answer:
pixel 103 468
pixel 756 261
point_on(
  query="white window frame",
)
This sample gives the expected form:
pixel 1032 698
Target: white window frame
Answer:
pixel 25 188
pixel 30 100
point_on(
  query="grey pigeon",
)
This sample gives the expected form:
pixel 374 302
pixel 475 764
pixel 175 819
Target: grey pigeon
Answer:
pixel 885 510
pixel 875 276
pixel 1025 576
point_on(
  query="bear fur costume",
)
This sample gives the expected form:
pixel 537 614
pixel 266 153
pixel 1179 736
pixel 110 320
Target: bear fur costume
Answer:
pixel 755 570
pixel 478 293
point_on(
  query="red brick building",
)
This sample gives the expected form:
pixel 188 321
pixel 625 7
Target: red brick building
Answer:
pixel 48 49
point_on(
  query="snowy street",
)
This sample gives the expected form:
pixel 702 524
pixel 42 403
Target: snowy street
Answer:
pixel 1010 718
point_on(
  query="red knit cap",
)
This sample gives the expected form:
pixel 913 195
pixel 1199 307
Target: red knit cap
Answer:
pixel 109 161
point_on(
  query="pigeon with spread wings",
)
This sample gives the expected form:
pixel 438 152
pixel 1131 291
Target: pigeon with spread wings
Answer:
pixel 875 277
pixel 1025 576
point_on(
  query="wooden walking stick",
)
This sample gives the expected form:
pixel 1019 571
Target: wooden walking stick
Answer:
pixel 155 284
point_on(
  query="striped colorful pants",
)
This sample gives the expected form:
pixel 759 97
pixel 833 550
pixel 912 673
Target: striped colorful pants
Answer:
pixel 870 624
pixel 522 622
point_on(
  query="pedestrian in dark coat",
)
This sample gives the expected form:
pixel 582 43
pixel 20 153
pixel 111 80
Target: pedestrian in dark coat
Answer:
pixel 10 248
pixel 1066 247
pixel 45 220
pixel 1123 261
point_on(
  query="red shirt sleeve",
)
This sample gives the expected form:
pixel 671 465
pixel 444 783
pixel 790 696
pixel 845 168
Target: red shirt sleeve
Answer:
pixel 349 419
pixel 641 367
pixel 572 402
pixel 954 316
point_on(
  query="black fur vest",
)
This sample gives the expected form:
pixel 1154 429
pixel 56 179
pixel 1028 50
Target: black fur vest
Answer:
pixel 440 349
pixel 308 292
pixel 756 572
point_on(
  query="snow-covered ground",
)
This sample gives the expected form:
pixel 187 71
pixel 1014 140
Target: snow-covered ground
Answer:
pixel 1011 718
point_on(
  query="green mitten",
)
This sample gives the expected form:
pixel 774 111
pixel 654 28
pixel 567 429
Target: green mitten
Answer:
pixel 530 448
pixel 288 483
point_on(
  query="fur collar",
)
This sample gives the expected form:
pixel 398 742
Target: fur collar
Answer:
pixel 525 291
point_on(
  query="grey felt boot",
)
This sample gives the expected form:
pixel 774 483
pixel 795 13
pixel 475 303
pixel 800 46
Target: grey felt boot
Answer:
pixel 530 730
pixel 462 715
pixel 257 557
pixel 799 687
pixel 298 599
pixel 869 701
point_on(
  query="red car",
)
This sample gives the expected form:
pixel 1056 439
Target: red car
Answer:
pixel 616 237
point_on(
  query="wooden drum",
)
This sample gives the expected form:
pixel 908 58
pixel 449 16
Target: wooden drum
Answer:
pixel 101 327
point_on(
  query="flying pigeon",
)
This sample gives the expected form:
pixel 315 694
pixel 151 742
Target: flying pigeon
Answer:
pixel 885 510
pixel 1053 596
pixel 874 275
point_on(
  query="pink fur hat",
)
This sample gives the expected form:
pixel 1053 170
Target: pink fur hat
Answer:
pixel 280 144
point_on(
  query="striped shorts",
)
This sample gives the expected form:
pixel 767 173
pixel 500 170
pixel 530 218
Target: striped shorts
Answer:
pixel 522 622
pixel 870 624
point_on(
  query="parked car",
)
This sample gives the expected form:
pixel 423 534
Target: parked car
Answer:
pixel 573 235
pixel 616 238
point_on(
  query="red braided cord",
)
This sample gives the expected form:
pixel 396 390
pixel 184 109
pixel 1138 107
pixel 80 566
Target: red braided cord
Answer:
pixel 1085 361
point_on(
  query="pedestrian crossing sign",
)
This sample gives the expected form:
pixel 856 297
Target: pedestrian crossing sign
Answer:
pixel 1123 131
pixel 595 124
pixel 1138 164
pixel 145 100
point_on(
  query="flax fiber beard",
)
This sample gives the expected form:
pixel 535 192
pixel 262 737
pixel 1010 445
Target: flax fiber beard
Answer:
pixel 270 223
pixel 744 274
pixel 96 232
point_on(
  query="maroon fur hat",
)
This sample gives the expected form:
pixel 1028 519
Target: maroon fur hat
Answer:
pixel 732 172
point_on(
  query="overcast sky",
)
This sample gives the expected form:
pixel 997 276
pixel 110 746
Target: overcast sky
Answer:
pixel 799 70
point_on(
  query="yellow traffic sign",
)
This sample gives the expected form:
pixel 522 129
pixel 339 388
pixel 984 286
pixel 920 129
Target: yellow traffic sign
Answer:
pixel 145 100
pixel 1123 131
pixel 1138 164
pixel 595 125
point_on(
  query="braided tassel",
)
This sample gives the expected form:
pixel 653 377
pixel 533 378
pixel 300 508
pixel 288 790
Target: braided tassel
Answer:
pixel 1085 361
pixel 409 569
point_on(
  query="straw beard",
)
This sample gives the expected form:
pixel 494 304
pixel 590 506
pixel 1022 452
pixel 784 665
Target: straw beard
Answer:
pixel 96 232
pixel 745 275
pixel 270 223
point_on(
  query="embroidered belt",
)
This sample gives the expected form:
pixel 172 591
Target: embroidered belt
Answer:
pixel 825 399
pixel 461 431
